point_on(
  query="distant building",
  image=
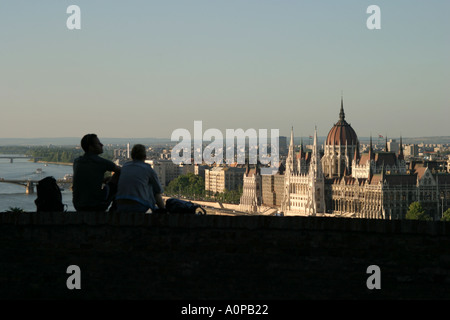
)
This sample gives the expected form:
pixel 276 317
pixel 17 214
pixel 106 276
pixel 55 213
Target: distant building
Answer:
pixel 273 188
pixel 184 169
pixel 219 179
pixel 344 182
pixel 393 146
pixel 199 170
pixel 282 146
pixel 165 169
pixel 411 150
pixel 251 198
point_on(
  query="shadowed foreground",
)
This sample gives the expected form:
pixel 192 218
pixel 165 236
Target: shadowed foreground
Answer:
pixel 133 256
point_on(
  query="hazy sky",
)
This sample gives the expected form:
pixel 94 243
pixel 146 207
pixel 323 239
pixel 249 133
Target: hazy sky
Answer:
pixel 145 68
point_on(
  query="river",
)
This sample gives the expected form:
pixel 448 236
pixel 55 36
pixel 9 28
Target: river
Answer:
pixel 14 196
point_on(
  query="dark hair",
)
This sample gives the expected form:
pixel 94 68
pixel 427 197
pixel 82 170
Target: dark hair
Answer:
pixel 138 152
pixel 86 141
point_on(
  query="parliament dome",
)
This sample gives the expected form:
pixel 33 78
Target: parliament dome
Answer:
pixel 342 132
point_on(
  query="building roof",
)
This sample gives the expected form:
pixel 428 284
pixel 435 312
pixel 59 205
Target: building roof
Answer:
pixel 419 170
pixel 386 158
pixel 342 132
pixel 380 158
pixel 375 178
pixel 401 179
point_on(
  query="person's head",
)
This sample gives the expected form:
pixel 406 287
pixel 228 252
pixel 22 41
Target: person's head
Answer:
pixel 90 143
pixel 138 152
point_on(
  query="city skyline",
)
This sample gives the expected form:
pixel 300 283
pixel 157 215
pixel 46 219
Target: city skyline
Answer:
pixel 144 68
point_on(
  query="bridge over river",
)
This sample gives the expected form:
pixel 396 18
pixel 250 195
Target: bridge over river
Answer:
pixel 11 158
pixel 30 184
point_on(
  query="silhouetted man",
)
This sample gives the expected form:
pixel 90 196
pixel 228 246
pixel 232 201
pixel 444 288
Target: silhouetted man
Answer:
pixel 91 191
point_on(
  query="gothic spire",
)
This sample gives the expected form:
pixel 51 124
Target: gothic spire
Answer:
pixel 292 136
pixel 315 165
pixel 302 154
pixel 341 113
pixel 371 154
pixel 400 151
pixel 290 161
pixel 247 167
pixel 356 155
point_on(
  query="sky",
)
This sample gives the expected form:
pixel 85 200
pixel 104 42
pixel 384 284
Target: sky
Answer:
pixel 146 68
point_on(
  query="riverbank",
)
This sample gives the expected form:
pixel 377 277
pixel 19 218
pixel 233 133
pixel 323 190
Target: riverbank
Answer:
pixel 58 163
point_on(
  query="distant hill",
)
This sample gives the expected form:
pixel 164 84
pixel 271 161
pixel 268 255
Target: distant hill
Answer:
pixel 71 141
pixel 428 140
pixel 149 141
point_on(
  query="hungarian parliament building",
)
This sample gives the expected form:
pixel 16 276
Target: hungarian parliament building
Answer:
pixel 339 180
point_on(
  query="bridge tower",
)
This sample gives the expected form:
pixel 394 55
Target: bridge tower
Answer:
pixel 30 187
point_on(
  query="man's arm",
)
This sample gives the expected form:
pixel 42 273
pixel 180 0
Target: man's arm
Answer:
pixel 159 201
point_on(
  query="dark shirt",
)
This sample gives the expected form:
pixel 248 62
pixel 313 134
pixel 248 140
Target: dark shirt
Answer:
pixel 88 176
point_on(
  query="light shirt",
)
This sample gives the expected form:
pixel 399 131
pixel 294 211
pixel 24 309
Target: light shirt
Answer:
pixel 138 182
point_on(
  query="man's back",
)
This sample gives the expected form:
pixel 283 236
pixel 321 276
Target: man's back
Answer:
pixel 88 176
pixel 139 182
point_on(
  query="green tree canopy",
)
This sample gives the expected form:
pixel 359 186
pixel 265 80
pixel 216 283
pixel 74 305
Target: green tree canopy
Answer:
pixel 416 212
pixel 187 185
pixel 446 215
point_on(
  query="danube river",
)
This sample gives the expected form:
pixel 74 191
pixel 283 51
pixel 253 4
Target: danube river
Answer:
pixel 14 196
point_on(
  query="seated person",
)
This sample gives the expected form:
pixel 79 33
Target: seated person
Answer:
pixel 139 188
pixel 91 191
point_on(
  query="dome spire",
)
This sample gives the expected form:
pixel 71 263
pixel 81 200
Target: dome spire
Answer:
pixel 341 113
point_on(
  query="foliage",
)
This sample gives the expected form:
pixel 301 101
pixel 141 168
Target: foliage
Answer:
pixel 55 154
pixel 229 196
pixel 446 215
pixel 416 212
pixel 193 187
pixel 63 154
pixel 14 149
pixel 15 210
pixel 188 185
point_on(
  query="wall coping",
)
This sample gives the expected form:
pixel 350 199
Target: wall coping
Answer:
pixel 250 222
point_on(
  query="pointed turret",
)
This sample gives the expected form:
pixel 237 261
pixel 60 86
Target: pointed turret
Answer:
pixel 345 172
pixel 356 155
pixel 315 151
pixel 400 150
pixel 302 152
pixel 386 146
pixel 371 153
pixel 315 166
pixel 290 160
pixel 247 167
pixel 258 168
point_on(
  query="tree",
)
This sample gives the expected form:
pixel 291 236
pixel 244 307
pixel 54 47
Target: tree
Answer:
pixel 416 212
pixel 189 185
pixel 446 215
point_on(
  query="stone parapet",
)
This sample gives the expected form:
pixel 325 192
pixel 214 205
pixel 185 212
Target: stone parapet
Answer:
pixel 173 256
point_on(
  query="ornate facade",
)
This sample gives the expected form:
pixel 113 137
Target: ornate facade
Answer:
pixel 304 183
pixel 344 182
pixel 251 198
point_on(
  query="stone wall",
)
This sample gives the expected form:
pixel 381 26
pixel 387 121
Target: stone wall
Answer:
pixel 131 256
